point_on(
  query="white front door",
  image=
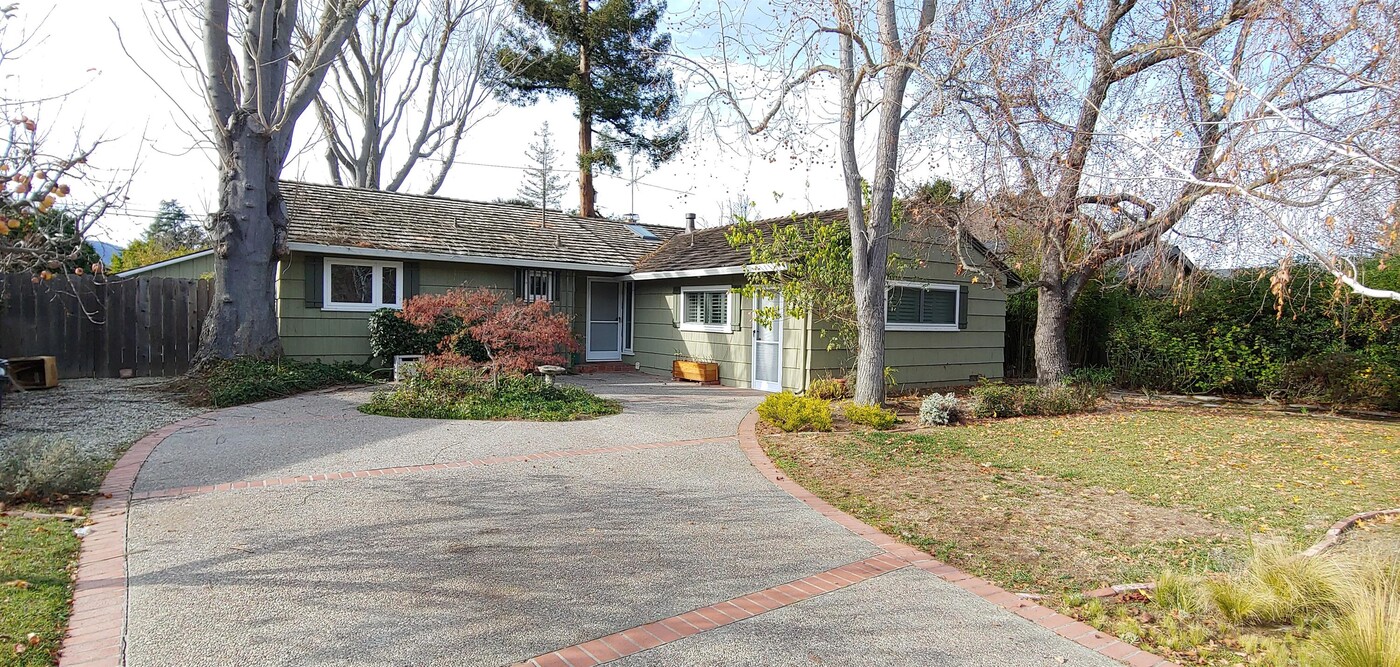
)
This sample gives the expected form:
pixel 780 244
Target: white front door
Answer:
pixel 768 346
pixel 604 321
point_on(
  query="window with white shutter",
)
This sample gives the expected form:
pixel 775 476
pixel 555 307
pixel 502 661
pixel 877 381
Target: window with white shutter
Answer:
pixel 705 309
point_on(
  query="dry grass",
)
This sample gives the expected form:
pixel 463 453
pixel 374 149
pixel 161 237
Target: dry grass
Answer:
pixel 1057 505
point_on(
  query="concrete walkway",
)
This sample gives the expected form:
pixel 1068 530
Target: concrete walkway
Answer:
pixel 301 532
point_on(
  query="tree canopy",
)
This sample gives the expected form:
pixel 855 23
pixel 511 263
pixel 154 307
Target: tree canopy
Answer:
pixel 171 234
pixel 606 55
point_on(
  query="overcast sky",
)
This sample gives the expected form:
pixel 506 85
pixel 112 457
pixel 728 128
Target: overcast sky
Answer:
pixel 147 138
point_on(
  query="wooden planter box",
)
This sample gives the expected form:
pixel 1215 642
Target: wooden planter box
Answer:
pixel 34 372
pixel 705 372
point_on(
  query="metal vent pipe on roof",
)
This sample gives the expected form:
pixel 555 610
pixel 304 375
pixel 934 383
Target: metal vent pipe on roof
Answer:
pixel 690 223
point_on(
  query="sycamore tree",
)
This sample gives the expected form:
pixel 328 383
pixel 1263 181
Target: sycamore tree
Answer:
pixel 1104 128
pixel 414 77
pixel 260 65
pixel 607 56
pixel 854 60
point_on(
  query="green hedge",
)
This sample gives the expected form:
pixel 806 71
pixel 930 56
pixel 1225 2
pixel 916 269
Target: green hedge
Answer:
pixel 1327 345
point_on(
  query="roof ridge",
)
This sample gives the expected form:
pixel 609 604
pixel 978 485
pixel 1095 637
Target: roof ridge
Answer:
pixel 460 200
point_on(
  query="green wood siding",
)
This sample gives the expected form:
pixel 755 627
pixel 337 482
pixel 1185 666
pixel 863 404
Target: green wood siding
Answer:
pixel 331 336
pixel 658 339
pixel 933 358
pixel 190 269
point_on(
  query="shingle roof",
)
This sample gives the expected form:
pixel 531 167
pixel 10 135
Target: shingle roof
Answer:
pixel 355 217
pixel 709 249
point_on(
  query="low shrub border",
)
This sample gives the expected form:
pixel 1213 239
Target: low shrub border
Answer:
pixel 240 381
pixel 463 394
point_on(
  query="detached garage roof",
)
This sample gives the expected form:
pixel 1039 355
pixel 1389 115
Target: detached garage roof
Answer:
pixel 343 219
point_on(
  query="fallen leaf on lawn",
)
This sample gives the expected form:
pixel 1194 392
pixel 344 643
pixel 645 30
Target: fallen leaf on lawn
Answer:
pixel 20 648
pixel 17 583
pixel 33 638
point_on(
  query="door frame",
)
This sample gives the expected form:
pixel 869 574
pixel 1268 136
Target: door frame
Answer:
pixel 588 354
pixel 777 327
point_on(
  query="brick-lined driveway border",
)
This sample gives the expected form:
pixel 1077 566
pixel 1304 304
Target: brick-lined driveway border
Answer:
pixel 97 626
pixel 1062 625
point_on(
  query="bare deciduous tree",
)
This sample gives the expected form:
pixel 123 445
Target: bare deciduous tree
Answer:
pixel 259 72
pixel 1108 125
pixel 878 47
pixel 411 80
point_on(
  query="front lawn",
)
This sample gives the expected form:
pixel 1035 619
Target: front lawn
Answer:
pixel 37 557
pixel 1061 504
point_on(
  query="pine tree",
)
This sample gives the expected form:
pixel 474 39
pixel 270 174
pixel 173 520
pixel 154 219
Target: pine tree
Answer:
pixel 173 228
pixel 543 186
pixel 171 234
pixel 606 55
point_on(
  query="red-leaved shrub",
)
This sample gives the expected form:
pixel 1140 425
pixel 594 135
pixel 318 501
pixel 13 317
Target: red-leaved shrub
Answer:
pixel 517 336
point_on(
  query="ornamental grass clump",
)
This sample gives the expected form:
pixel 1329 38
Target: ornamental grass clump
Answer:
pixel 1282 607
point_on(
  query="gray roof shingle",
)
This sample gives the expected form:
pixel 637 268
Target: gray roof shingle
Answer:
pixel 709 249
pixel 355 217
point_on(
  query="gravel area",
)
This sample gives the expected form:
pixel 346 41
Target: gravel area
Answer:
pixel 102 416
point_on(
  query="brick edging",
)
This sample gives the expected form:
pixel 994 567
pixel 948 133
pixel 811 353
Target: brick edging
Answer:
pixel 1334 534
pixel 703 619
pixel 1064 626
pixel 97 625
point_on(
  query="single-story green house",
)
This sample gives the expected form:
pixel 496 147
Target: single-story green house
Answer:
pixel 641 295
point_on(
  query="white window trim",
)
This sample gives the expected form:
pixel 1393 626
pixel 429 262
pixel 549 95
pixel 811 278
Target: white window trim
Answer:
pixel 376 290
pixel 913 326
pixel 630 312
pixel 550 277
pixel 727 326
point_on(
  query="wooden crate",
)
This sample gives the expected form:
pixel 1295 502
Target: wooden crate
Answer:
pixel 34 372
pixel 704 372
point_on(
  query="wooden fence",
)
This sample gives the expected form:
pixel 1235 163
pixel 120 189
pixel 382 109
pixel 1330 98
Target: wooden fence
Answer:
pixel 99 327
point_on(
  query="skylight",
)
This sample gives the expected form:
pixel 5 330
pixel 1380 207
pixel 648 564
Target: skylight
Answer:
pixel 643 232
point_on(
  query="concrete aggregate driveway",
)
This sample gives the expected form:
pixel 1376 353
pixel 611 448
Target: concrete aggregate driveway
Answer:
pixel 497 562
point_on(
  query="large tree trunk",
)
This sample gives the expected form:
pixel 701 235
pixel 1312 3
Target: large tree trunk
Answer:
pixel 1055 300
pixel 870 338
pixel 249 235
pixel 587 197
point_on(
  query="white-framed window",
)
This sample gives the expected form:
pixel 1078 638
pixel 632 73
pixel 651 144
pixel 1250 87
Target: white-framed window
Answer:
pixel 629 312
pixel 915 306
pixel 707 309
pixel 356 284
pixel 539 285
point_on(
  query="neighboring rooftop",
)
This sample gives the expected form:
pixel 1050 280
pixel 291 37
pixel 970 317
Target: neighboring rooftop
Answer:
pixel 355 217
